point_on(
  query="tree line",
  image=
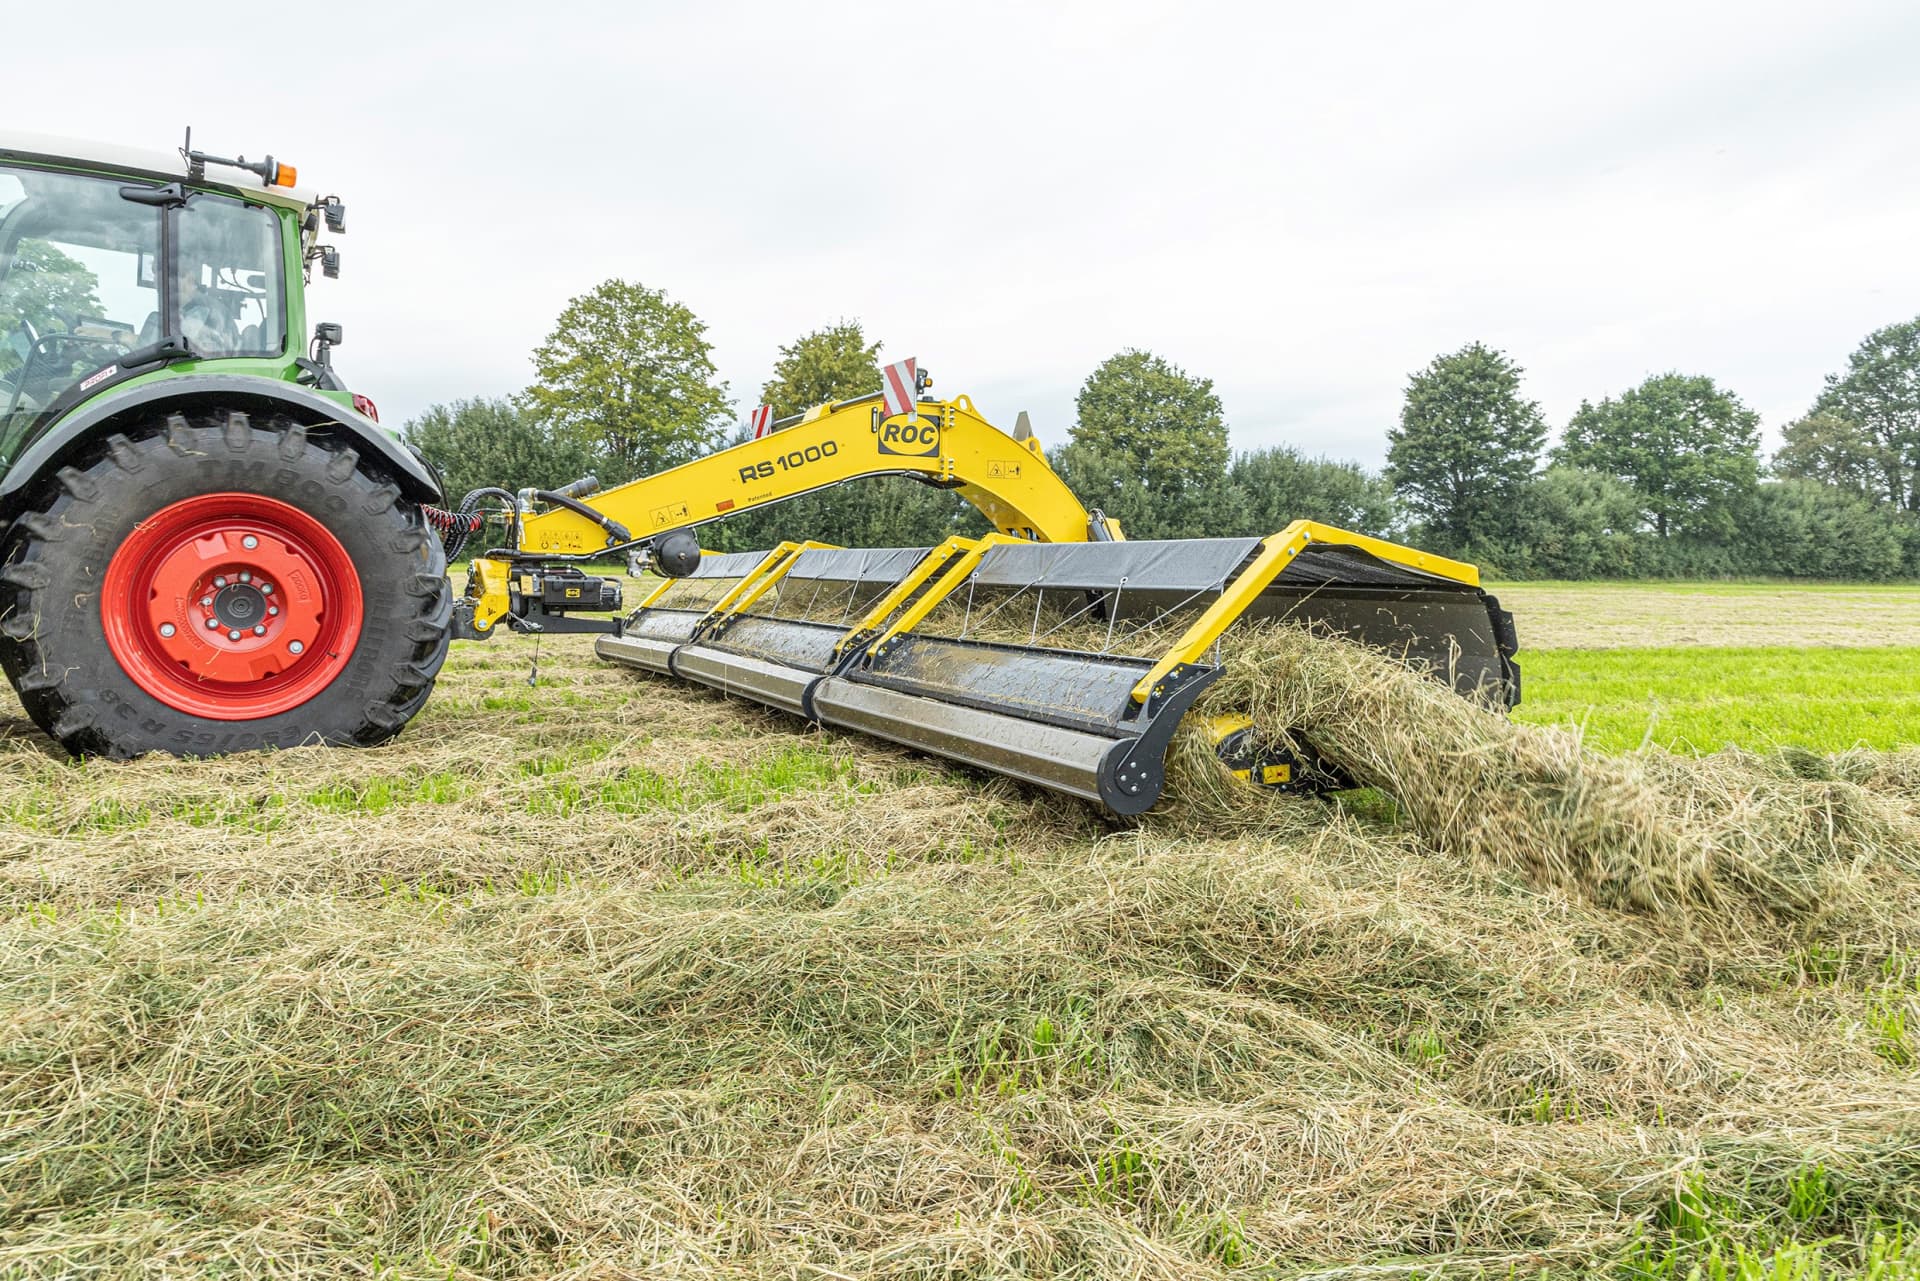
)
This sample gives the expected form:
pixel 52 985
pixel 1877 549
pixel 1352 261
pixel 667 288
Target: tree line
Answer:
pixel 1664 479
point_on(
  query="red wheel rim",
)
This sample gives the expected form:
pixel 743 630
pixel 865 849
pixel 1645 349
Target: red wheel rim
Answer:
pixel 231 606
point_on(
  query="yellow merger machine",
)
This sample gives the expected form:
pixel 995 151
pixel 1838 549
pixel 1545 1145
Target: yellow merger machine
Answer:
pixel 1052 649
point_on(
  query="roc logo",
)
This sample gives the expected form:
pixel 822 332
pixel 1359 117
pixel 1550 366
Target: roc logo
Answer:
pixel 914 440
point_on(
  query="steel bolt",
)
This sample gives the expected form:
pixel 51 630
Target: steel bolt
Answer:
pixel 260 630
pixel 213 624
pixel 272 610
pixel 245 577
pixel 233 635
pixel 220 582
pixel 166 629
pixel 206 600
pixel 266 589
pixel 249 542
pixel 294 647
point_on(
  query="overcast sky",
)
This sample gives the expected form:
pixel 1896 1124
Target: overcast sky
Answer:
pixel 1302 204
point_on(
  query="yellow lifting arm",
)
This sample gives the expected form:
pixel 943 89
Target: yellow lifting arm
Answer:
pixel 950 443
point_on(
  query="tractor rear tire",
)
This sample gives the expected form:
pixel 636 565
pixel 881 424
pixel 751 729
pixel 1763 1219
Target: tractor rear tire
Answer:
pixel 218 584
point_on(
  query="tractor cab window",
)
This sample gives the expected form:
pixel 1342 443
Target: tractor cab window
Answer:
pixel 228 295
pixel 78 275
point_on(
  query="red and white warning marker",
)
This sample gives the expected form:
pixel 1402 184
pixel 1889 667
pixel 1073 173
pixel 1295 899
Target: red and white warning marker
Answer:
pixel 899 383
pixel 761 420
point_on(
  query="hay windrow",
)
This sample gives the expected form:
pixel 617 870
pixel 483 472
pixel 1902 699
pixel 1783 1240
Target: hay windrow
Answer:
pixel 1649 832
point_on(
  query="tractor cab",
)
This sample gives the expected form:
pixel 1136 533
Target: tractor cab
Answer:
pixel 96 269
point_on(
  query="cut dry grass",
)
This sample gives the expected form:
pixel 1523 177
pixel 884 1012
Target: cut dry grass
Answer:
pixel 1651 831
pixel 1649 615
pixel 613 977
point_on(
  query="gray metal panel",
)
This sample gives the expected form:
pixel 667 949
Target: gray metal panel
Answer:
pixel 728 565
pixel 664 624
pixel 808 646
pixel 1182 565
pixel 1062 759
pixel 857 564
pixel 1339 563
pixel 774 684
pixel 637 651
pixel 1084 691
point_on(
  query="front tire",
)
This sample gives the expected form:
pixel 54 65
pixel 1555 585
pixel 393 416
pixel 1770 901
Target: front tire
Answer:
pixel 212 585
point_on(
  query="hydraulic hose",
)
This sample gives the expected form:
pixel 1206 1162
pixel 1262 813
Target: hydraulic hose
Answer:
pixel 458 526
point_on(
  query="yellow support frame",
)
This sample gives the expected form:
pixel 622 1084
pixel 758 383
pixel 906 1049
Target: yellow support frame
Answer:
pixel 488 583
pixel 897 595
pixel 779 558
pixel 969 560
pixel 763 578
pixel 1276 553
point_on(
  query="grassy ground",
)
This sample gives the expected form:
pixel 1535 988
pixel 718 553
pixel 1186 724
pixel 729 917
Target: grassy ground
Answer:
pixel 1754 615
pixel 609 977
pixel 1701 666
pixel 1706 699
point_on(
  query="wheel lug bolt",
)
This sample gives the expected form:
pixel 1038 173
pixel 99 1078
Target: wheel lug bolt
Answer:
pixel 260 630
pixel 249 542
pixel 245 577
pixel 272 610
pixel 233 635
pixel 266 589
pixel 206 600
pixel 294 647
pixel 220 582
pixel 166 629
pixel 213 624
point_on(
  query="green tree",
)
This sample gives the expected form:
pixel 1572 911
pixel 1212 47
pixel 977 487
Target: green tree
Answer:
pixel 1149 445
pixel 628 372
pixel 830 364
pixel 1275 487
pixel 1466 444
pixel 42 286
pixel 1806 529
pixel 835 363
pixel 1571 523
pixel 1834 450
pixel 1690 448
pixel 1880 393
pixel 482 442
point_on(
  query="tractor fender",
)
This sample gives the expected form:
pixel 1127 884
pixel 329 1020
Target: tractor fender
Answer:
pixel 200 391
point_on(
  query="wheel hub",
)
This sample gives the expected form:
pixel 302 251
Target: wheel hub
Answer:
pixel 231 606
pixel 240 605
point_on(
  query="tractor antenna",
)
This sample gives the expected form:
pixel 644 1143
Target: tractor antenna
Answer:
pixel 196 163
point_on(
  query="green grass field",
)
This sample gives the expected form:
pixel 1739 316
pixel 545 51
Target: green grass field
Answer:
pixel 1705 699
pixel 1701 666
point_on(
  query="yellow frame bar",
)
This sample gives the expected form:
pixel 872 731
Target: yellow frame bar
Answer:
pixel 778 555
pixel 764 578
pixel 962 570
pixel 929 565
pixel 1276 553
pixel 657 593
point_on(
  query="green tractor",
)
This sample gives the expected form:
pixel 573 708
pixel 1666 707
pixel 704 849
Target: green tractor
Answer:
pixel 210 543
